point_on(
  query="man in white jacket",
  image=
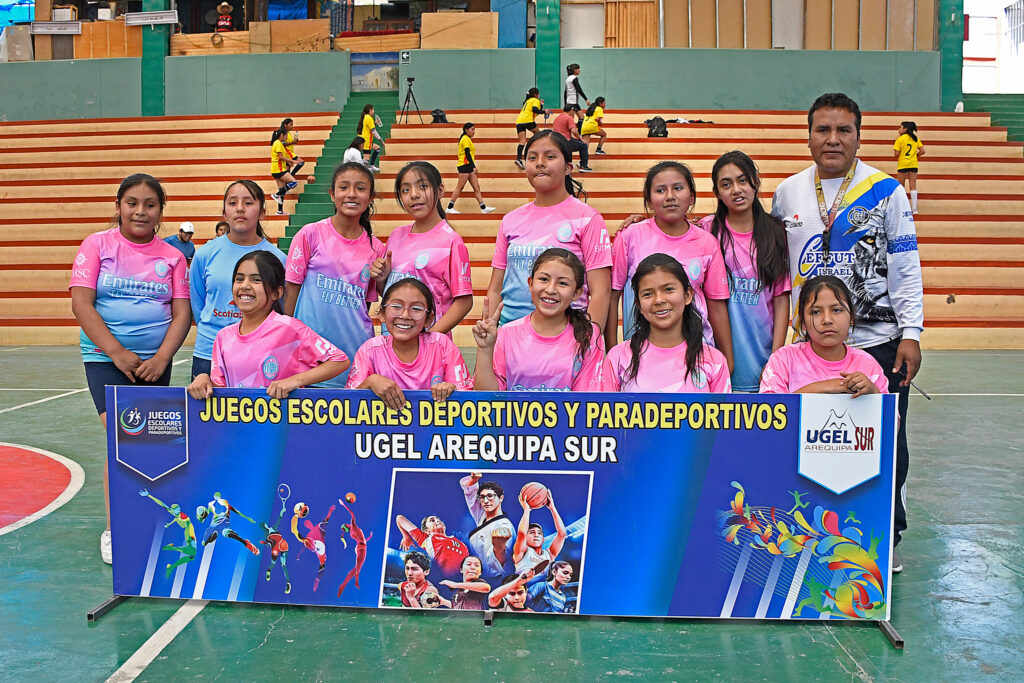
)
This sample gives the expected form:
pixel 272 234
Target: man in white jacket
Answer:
pixel 847 219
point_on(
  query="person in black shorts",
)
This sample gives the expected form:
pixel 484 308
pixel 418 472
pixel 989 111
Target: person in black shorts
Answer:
pixel 573 93
pixel 527 120
pixel 467 170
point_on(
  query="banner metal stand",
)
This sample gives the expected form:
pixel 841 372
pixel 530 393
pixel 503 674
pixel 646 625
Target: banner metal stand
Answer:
pixel 891 634
pixel 105 606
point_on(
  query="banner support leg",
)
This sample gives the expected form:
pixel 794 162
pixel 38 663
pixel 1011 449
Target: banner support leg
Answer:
pixel 891 634
pixel 105 607
pixel 488 617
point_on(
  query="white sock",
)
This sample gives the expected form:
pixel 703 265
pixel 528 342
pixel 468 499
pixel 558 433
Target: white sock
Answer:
pixel 913 199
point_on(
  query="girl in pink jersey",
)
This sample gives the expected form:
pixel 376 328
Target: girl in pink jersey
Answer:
pixel 556 218
pixel 129 292
pixel 556 347
pixel 335 266
pixel 753 243
pixel 265 348
pixel 670 193
pixel 667 351
pixel 822 363
pixel 429 249
pixel 411 357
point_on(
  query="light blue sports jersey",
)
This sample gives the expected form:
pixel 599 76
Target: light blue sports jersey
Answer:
pixel 210 286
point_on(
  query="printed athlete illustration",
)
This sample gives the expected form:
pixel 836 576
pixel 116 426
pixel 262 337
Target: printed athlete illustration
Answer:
pixel 188 550
pixel 276 541
pixel 491 540
pixel 314 539
pixel 220 523
pixel 528 550
pixel 356 534
pixel 445 552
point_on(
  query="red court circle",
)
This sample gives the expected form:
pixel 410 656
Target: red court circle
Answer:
pixel 29 482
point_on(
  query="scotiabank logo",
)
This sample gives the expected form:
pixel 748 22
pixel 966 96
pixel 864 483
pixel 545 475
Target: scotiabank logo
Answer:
pixel 840 440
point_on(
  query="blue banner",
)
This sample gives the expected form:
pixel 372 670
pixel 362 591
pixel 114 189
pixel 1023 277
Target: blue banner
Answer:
pixel 733 506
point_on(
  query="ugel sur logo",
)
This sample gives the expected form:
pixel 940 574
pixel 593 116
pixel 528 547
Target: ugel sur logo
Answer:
pixel 839 433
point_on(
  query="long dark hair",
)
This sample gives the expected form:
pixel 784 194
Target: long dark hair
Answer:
pixel 532 92
pixel 652 173
pixel 465 128
pixel 768 246
pixel 367 108
pixel 598 102
pixel 910 128
pixel 140 179
pixel 357 142
pixel 271 274
pixel 693 325
pixel 572 186
pixel 582 328
pixel 809 294
pixel 256 192
pixel 426 171
pixel 364 217
pixel 571 68
pixel 280 132
pixel 419 286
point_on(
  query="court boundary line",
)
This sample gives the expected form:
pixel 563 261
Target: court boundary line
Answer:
pixel 155 644
pixel 69 492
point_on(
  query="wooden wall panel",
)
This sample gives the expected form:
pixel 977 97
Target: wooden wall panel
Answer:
pixel 42 45
pixel 703 24
pixel 925 37
pixel 383 43
pixel 677 23
pixel 259 37
pixel 872 24
pixel 300 35
pixel 631 23
pixel 758 22
pixel 818 25
pixel 192 44
pixel 901 25
pixel 730 23
pixel 459 30
pixel 845 24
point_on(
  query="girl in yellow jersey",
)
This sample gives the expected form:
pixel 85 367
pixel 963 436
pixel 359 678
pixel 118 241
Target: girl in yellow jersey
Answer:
pixel 908 149
pixel 282 167
pixel 467 170
pixel 366 128
pixel 527 120
pixel 592 125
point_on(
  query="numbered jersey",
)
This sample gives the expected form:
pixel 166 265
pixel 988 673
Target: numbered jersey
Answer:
pixel 908 148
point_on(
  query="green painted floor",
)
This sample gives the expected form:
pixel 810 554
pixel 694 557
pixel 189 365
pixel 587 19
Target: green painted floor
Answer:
pixel 958 604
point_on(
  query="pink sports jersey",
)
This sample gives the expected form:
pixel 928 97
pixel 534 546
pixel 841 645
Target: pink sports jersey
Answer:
pixel 438 258
pixel 795 366
pixel 438 361
pixel 696 250
pixel 134 285
pixel 665 370
pixel 529 230
pixel 526 361
pixel 279 348
pixel 335 276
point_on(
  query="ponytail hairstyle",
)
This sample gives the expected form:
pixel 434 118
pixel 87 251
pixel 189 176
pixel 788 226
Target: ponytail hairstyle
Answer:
pixel 532 92
pixel 572 186
pixel 256 192
pixel 809 294
pixel 419 286
pixel 768 245
pixel 367 108
pixel 571 69
pixel 357 143
pixel 281 131
pixel 653 172
pixel 910 128
pixel 582 328
pixel 425 171
pixel 271 273
pixel 465 129
pixel 364 218
pixel 132 181
pixel 598 102
pixel 693 325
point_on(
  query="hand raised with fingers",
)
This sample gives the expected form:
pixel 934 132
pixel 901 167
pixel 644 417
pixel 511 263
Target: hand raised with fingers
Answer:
pixel 380 268
pixel 485 332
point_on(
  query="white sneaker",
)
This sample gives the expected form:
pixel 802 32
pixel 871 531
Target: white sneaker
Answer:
pixel 487 209
pixel 375 169
pixel 452 210
pixel 106 551
pixel 519 163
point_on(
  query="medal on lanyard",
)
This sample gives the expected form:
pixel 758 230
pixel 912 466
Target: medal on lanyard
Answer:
pixel 828 216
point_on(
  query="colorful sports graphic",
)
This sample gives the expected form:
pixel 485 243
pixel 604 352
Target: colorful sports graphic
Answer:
pixel 626 504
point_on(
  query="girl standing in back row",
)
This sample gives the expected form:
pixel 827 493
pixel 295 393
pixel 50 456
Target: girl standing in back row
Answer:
pixel 526 122
pixel 907 150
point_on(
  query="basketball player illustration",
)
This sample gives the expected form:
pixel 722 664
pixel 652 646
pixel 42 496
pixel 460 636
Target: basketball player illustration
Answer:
pixel 529 550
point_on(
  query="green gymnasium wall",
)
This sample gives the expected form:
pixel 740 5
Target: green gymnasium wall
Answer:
pixel 70 89
pixel 683 78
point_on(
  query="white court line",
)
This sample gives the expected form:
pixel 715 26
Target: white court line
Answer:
pixel 66 393
pixel 77 479
pixel 972 395
pixel 51 389
pixel 149 651
pixel 14 348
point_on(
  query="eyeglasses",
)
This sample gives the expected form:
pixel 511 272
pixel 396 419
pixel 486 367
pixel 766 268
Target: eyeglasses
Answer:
pixel 415 311
pixel 487 496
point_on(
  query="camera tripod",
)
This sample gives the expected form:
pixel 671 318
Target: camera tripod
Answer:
pixel 409 97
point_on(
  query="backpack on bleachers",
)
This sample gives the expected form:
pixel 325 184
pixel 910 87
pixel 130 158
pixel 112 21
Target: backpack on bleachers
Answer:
pixel 439 116
pixel 656 127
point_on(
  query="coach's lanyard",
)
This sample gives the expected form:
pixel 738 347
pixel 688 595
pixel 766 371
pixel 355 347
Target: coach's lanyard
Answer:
pixel 828 216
